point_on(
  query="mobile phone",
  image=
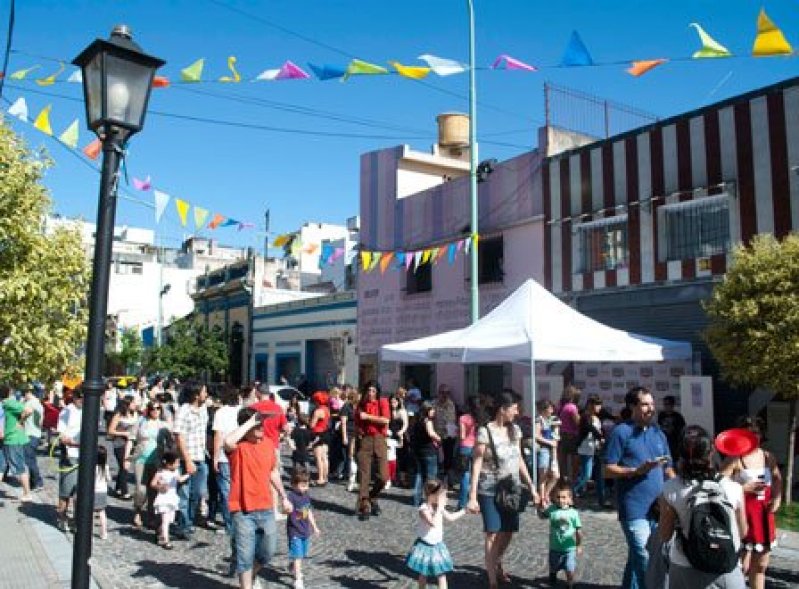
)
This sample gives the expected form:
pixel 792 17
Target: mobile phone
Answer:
pixel 663 459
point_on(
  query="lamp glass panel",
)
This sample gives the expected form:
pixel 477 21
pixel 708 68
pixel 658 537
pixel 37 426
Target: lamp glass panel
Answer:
pixel 93 81
pixel 127 89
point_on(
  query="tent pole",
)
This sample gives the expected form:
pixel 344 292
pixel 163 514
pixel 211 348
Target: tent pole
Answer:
pixel 533 474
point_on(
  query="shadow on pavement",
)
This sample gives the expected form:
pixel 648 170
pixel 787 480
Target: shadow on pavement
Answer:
pixel 44 512
pixel 322 505
pixel 384 564
pixel 782 578
pixel 175 574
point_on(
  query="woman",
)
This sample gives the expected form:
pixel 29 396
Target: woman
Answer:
pixel 588 442
pixel 145 460
pixel 467 436
pixel 569 416
pixel 425 443
pixel 547 449
pixel 334 455
pixel 760 477
pixel 695 468
pixel 122 431
pixel 488 467
pixel 398 428
pixel 347 417
pixel 320 426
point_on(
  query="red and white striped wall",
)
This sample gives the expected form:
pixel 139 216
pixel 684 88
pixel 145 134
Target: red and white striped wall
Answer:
pixel 747 146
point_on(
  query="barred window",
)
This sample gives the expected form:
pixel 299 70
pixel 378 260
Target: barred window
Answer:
pixel 603 244
pixel 697 228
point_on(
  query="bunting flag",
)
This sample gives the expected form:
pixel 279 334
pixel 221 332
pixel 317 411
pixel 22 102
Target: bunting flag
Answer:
pixel 92 151
pixel 359 67
pixel 229 223
pixel 639 68
pixel 511 63
pixel 426 254
pixel 291 71
pixel 327 72
pixel 42 121
pixel 70 135
pixel 76 77
pixel 326 254
pixel 576 53
pixel 143 185
pixel 161 200
pixel 443 67
pixel 409 258
pixel 282 240
pixel 216 221
pixel 50 80
pixel 337 255
pixel 231 65
pixel 400 257
pixel 433 255
pixel 452 251
pixel 417 260
pixel 311 248
pixel 200 216
pixel 19 109
pixel 366 260
pixel 459 245
pixel 415 72
pixel 467 245
pixel 183 210
pixel 267 75
pixel 22 74
pixel 160 82
pixel 385 260
pixel 194 72
pixel 769 39
pixel 375 259
pixel 243 225
pixel 710 47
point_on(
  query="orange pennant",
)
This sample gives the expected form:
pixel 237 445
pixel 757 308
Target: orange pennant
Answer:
pixel 160 82
pixel 441 253
pixel 216 221
pixel 639 68
pixel 385 260
pixel 92 151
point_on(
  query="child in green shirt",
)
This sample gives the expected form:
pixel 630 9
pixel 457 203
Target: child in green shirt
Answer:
pixel 565 537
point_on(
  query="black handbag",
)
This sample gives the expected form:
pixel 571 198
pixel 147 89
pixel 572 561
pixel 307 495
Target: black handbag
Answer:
pixel 509 495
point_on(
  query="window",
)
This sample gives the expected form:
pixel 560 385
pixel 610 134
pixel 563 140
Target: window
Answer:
pixel 491 260
pixel 696 229
pixel 419 280
pixel 603 244
pixel 124 267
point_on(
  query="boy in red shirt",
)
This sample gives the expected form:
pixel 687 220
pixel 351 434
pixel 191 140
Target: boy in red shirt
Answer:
pixel 252 462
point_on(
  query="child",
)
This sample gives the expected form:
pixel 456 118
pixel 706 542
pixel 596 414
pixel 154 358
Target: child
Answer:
pixel 429 556
pixel 301 442
pixel 565 537
pixel 391 456
pixel 300 523
pixel 101 477
pixel 166 503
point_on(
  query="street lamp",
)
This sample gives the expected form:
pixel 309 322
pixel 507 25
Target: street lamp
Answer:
pixel 117 78
pixel 164 291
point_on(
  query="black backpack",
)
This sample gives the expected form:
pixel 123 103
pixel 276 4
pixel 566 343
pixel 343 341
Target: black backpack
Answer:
pixel 709 543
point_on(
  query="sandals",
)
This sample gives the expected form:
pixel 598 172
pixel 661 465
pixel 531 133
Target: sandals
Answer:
pixel 502 576
pixel 165 544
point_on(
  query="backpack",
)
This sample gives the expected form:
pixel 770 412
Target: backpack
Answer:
pixel 709 543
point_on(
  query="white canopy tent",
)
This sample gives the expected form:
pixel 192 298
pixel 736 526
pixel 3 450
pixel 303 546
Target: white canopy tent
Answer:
pixel 533 325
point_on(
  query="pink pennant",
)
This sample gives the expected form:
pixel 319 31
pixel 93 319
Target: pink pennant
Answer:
pixel 337 253
pixel 409 256
pixel 460 245
pixel 143 185
pixel 511 63
pixel 291 71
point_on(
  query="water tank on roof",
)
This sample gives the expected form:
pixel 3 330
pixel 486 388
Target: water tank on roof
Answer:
pixel 453 130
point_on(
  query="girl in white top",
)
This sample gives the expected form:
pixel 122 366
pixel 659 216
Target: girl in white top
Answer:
pixel 429 556
pixel 166 482
pixel 102 476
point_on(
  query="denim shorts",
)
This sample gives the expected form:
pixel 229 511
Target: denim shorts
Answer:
pixel 298 548
pixel 562 561
pixel 255 533
pixel 493 519
pixel 15 458
pixel 544 458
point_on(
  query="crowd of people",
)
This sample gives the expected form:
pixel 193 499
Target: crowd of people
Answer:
pixel 184 457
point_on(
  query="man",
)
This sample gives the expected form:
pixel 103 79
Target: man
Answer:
pixel 672 423
pixel 225 422
pixel 69 423
pixel 190 432
pixel 371 425
pixel 274 422
pixel 252 463
pixel 446 426
pixel 15 441
pixel 33 429
pixel 638 457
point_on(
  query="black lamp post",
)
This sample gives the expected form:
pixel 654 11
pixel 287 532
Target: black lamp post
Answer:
pixel 117 78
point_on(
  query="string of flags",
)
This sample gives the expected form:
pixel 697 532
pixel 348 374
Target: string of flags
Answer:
pixel 411 261
pixel 769 41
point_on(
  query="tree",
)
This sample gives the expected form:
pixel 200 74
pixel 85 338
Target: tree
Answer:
pixel 754 324
pixel 43 277
pixel 191 351
pixel 129 357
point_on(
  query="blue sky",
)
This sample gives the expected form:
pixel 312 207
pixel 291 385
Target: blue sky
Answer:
pixel 239 171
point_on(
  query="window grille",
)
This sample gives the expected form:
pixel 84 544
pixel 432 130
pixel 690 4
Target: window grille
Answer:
pixel 697 228
pixel 603 244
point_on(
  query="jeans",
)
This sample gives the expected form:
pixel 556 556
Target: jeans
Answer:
pixel 33 465
pixel 586 470
pixel 190 493
pixel 426 469
pixel 122 474
pixel 466 477
pixel 255 534
pixel 636 532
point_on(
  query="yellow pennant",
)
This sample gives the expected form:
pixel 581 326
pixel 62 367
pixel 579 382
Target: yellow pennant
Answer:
pixel 70 135
pixel 385 260
pixel 183 210
pixel 426 256
pixel 366 260
pixel 21 74
pixel 281 240
pixel 769 39
pixel 50 80
pixel 231 64
pixel 42 121
pixel 194 72
pixel 200 215
pixel 414 72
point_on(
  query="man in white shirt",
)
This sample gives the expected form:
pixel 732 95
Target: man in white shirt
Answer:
pixel 69 422
pixel 225 422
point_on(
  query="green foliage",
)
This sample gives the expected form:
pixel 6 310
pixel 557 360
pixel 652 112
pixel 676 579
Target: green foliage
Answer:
pixel 43 278
pixel 754 314
pixel 190 351
pixel 126 361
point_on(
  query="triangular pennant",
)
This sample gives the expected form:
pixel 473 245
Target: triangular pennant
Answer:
pixel 452 250
pixel 22 74
pixel 460 244
pixel 769 39
pixel 327 72
pixel 442 250
pixel 426 254
pixel 183 210
pixel 267 75
pixel 511 63
pixel 216 221
pixel 467 245
pixel 200 216
pixel 42 121
pixel 434 255
pixel 291 71
pixel 244 225
pixel 576 52
pixel 143 185
pixel 375 259
pixel 161 200
pixel 160 82
pixel 415 72
pixel 229 223
pixel 311 248
pixel 281 240
pixel 231 65
pixel 296 246
pixel 194 72
pixel 76 77
pixel 358 67
pixel 400 257
pixel 366 260
pixel 70 135
pixel 417 260
pixel 385 260
pixel 710 47
pixel 409 256
pixel 639 68
pixel 19 109
pixel 337 254
pixel 92 151
pixel 443 67
pixel 50 80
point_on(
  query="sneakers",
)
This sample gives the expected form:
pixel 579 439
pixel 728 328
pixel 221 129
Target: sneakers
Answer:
pixel 298 584
pixel 352 486
pixel 388 485
pixel 257 583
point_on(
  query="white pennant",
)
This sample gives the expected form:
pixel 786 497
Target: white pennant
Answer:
pixel 467 246
pixel 76 77
pixel 161 200
pixel 19 109
pixel 268 75
pixel 443 67
pixel 417 257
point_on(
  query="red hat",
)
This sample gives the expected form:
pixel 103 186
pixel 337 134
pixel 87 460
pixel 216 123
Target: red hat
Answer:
pixel 320 398
pixel 736 442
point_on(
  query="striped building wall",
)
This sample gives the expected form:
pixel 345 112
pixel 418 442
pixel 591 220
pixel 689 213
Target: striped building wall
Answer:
pixel 747 147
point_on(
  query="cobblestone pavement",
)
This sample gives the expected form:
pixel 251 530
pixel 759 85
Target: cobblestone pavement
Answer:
pixel 364 555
